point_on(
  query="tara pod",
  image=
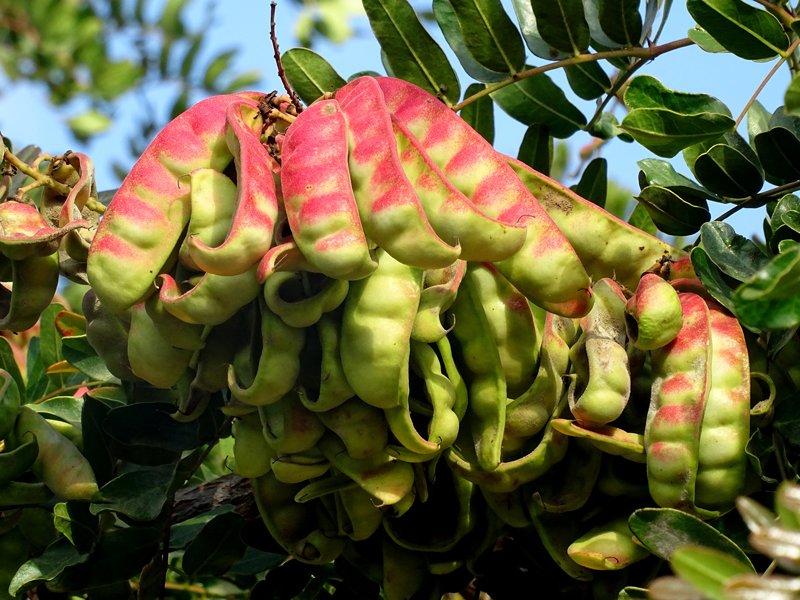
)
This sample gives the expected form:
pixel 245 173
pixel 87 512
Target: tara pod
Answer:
pixel 148 214
pixel 653 314
pixel 546 268
pixel 608 547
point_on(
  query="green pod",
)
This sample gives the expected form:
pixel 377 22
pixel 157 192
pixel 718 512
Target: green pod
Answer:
pixel 68 430
pixel 725 429
pixel 606 438
pixel 454 375
pixel 107 333
pixel 555 533
pixel 376 331
pixel 178 333
pixel 297 468
pixel 512 325
pixel 568 488
pixel 212 200
pixel 59 464
pixel 653 314
pixel 9 403
pixel 289 427
pixel 403 572
pixel 333 387
pixel 600 359
pixel 439 291
pixel 361 427
pixel 219 350
pixel 318 548
pixel 14 463
pixel 609 547
pixel 530 411
pixel 509 475
pixel 443 425
pixel 250 450
pixel 209 299
pixel 152 357
pixel 298 307
pixel 278 363
pixel 509 507
pixel 487 388
pixel 383 478
pixel 33 285
pixel 359 518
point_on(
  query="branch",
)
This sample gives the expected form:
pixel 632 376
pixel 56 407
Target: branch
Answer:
pixel 758 199
pixel 783 15
pixel 21 166
pixel 764 82
pixel 273 36
pixel 228 489
pixel 645 53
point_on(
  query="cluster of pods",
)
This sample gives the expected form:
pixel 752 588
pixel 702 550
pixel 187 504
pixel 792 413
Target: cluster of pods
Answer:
pixel 416 335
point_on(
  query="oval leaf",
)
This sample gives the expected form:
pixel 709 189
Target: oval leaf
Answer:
pixel 311 75
pixel 671 213
pixel 490 35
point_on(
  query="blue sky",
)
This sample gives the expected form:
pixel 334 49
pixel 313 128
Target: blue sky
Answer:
pixel 28 118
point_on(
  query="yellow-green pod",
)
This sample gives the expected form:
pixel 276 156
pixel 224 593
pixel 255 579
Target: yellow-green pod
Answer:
pixel 289 427
pixel 361 427
pixel 359 517
pixel 300 300
pixel 653 314
pixel 333 386
pixel 609 547
pixel 152 357
pixel 297 468
pixel 250 450
pixel 59 464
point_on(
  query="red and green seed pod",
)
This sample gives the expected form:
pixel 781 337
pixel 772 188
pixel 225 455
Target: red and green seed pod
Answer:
pixel 251 452
pixel 390 210
pixel 725 429
pixel 149 212
pixel 318 194
pixel 438 294
pixel 607 246
pixel 33 285
pixel 25 233
pixel 653 313
pixel 250 229
pixel 546 268
pixel 681 382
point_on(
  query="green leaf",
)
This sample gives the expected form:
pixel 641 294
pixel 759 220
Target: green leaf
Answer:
pixel 588 80
pixel 778 147
pixel 480 114
pixel 57 557
pixel 659 172
pixel 663 530
pixel 746 31
pixel 183 533
pixel 648 92
pixel 735 255
pixel 195 43
pixel 310 74
pixel 150 425
pixel 254 562
pixel 729 168
pixel 784 221
pixel 81 355
pixel 671 213
pixel 17 494
pixel 95 442
pixel 139 494
pixel 562 24
pixel 243 81
pixel 87 124
pixel 539 101
pixel 489 35
pixel 758 119
pixel 769 299
pixel 593 184
pixel 216 548
pixel 621 21
pixel 171 20
pixel 74 522
pixel 115 78
pixel 530 32
pixel 536 149
pixel 10 401
pixel 704 40
pixel 666 133
pixel 412 53
pixel 712 278
pixel 17 461
pixel 9 364
pixel 216 68
pixel 448 23
pixel 707 569
pixel 641 219
pixel 64 408
pixel 37 381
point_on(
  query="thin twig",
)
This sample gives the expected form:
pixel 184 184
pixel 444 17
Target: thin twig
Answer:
pixel 646 53
pixel 621 80
pixel 273 36
pixel 69 388
pixel 23 167
pixel 758 199
pixel 785 17
pixel 764 83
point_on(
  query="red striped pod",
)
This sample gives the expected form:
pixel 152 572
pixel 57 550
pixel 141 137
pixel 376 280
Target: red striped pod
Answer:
pixel 318 194
pixel 250 234
pixel 681 382
pixel 653 314
pixel 72 209
pixel 150 210
pixel 546 268
pixel 24 232
pixel 387 202
pixel 726 421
